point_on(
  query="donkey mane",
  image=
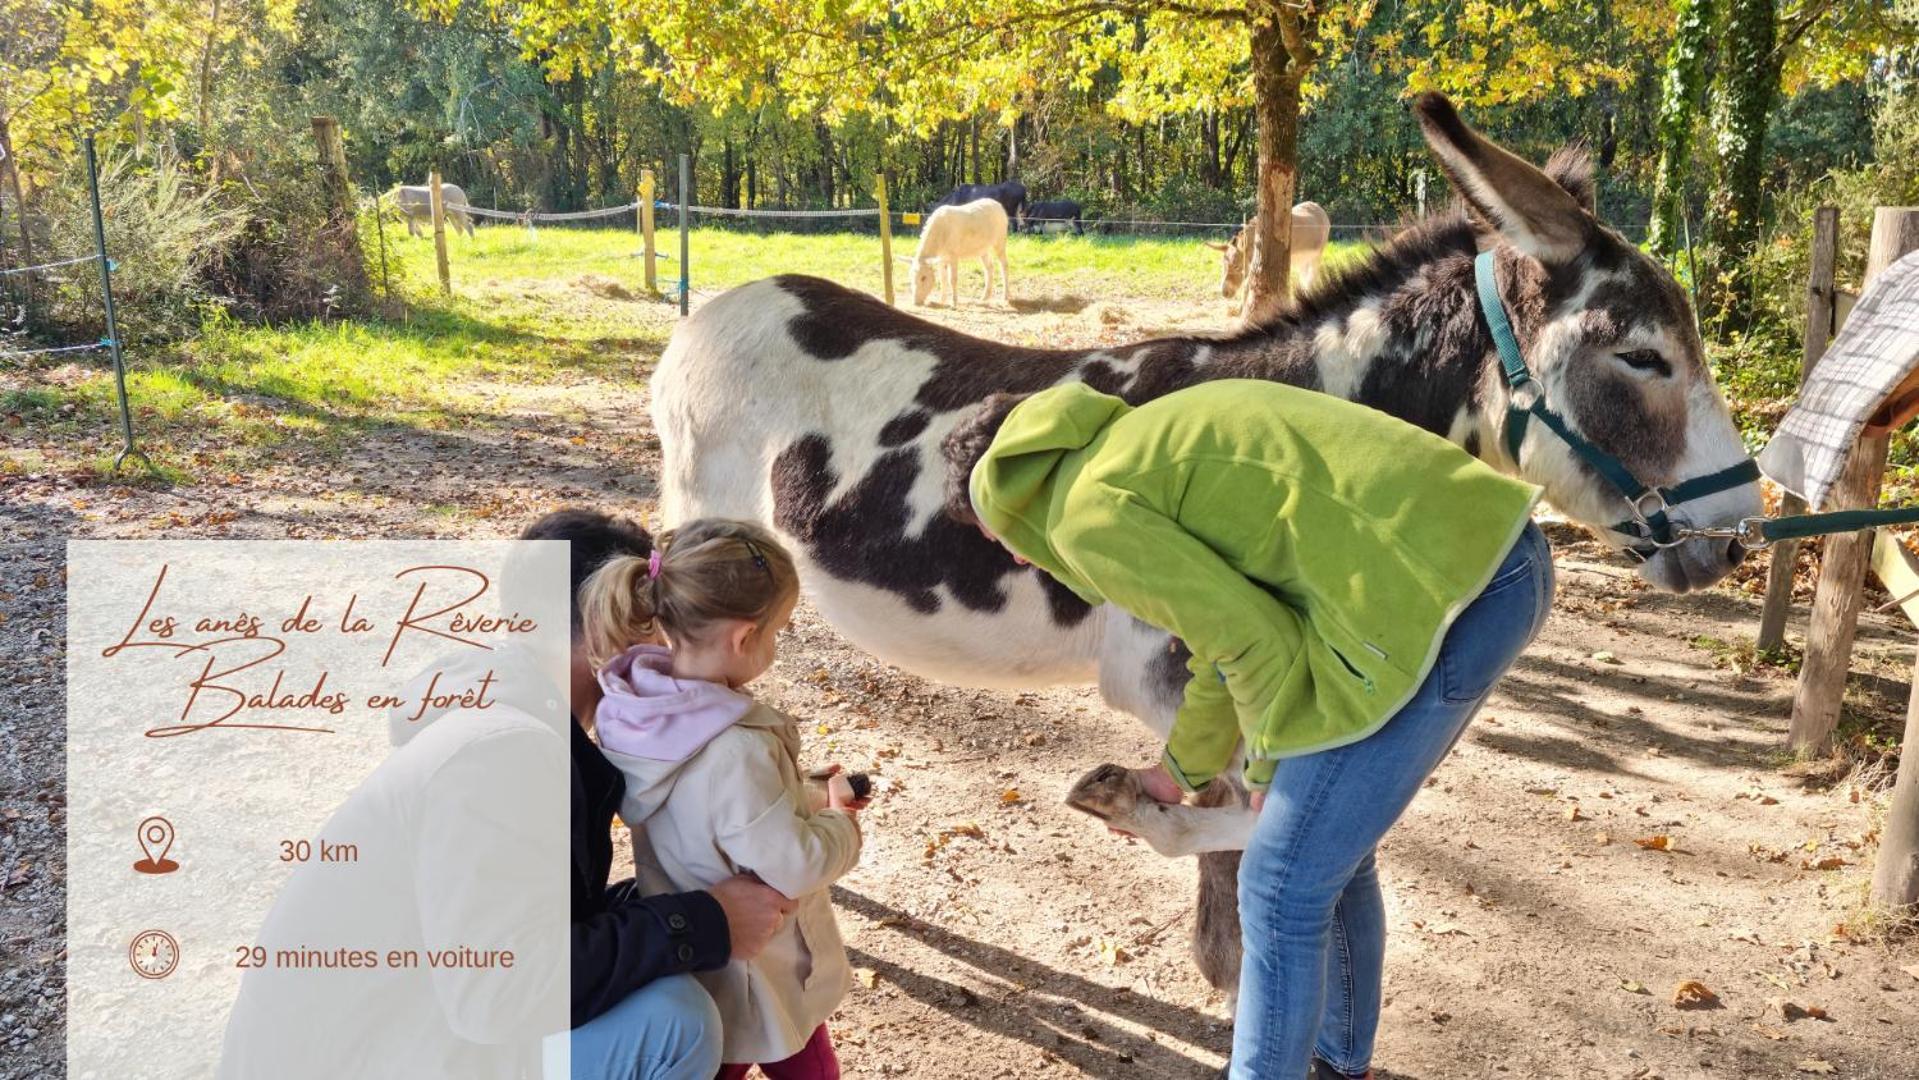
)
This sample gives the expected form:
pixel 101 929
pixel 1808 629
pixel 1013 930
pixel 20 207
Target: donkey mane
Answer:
pixel 1403 248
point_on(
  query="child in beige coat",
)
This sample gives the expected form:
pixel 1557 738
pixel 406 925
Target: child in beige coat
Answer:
pixel 713 785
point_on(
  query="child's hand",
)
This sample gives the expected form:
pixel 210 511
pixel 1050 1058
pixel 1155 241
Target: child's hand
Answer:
pixel 840 794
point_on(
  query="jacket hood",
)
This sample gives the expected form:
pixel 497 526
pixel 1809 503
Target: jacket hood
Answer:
pixel 1034 457
pixel 650 723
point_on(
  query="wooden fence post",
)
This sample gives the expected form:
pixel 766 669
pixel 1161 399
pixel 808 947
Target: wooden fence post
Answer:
pixel 1819 329
pixel 1895 878
pixel 886 235
pixel 343 225
pixel 437 202
pixel 1835 603
pixel 646 230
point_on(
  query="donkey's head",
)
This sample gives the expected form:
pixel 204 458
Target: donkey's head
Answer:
pixel 1612 344
pixel 1232 260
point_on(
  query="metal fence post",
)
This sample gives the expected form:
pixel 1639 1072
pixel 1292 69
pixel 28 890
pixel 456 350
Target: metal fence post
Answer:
pixel 128 449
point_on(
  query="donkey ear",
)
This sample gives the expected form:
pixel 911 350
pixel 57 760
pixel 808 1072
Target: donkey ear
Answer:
pixel 1571 167
pixel 1531 211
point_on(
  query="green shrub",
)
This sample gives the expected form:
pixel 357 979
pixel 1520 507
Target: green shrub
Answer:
pixel 163 233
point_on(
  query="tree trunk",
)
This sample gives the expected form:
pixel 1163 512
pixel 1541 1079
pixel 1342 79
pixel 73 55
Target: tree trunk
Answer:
pixel 1283 41
pixel 1680 95
pixel 1748 84
pixel 1233 147
pixel 12 164
pixel 729 176
pixel 974 125
pixel 824 138
pixel 1012 151
pixel 206 96
pixel 1209 161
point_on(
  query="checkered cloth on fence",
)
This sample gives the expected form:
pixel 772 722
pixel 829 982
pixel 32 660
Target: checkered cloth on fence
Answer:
pixel 1871 356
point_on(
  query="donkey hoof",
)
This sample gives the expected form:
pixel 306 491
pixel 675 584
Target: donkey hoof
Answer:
pixel 1107 793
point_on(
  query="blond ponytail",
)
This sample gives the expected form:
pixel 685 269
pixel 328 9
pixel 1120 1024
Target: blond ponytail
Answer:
pixel 704 572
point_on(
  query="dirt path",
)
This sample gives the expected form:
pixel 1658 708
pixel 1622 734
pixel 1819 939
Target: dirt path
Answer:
pixel 1001 935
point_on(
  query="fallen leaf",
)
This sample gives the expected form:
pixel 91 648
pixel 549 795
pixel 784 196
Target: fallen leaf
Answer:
pixel 1009 796
pixel 866 977
pixel 1792 1010
pixel 1772 1033
pixel 578 440
pixel 1542 791
pixel 822 729
pixel 1112 953
pixel 1605 657
pixel 1693 994
pixel 1661 842
pixel 1573 814
pixel 1830 862
pixel 1815 1065
pixel 1602 839
pixel 1633 987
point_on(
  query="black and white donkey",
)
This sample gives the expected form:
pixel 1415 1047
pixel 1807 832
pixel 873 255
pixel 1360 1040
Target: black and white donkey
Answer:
pixel 819 410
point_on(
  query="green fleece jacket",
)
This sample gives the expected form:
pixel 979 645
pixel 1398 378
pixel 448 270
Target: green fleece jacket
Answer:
pixel 1311 552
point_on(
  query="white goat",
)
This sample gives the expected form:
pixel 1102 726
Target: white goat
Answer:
pixel 974 230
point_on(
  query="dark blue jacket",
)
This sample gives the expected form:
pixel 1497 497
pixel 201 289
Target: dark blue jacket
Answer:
pixel 621 941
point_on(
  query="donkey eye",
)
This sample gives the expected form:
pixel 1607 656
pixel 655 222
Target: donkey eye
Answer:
pixel 1646 360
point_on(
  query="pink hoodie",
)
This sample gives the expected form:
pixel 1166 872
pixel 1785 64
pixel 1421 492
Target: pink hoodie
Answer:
pixel 647 713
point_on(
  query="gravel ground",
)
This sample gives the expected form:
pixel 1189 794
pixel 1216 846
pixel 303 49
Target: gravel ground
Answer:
pixel 33 776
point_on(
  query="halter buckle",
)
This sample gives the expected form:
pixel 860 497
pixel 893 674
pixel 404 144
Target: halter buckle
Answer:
pixel 1522 397
pixel 1656 498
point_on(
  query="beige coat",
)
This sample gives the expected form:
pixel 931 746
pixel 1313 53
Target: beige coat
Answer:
pixel 739 806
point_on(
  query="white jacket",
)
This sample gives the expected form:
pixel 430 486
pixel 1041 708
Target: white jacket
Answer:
pixel 738 805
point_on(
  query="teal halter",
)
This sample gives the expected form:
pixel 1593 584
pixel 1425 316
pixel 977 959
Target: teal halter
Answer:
pixel 1650 523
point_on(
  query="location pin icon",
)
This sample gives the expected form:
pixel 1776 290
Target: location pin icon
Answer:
pixel 156 839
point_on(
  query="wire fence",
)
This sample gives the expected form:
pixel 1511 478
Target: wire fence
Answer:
pixel 28 276
pixel 15 354
pixel 13 271
pixel 865 219
pixel 649 215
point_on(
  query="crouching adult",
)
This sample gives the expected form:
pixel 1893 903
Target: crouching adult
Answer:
pixel 1350 588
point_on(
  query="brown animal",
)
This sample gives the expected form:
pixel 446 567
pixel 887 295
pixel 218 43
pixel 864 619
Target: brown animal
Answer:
pixel 1311 231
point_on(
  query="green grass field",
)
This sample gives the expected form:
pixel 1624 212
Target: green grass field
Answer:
pixel 558 305
pixel 1100 267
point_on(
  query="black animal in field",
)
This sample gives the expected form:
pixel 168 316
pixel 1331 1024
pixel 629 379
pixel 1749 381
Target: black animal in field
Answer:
pixel 1053 215
pixel 1011 194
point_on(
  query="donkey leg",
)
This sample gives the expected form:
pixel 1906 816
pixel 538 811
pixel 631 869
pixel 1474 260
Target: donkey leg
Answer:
pixel 1216 943
pixel 1113 794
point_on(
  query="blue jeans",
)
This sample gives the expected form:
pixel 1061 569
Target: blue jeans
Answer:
pixel 1311 916
pixel 666 1030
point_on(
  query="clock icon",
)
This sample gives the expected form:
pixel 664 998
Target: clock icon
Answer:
pixel 154 954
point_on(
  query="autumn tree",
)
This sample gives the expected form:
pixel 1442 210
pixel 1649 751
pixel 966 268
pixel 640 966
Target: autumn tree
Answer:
pixel 915 65
pixel 1682 95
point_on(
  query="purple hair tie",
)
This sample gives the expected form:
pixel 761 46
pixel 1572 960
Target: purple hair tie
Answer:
pixel 653 565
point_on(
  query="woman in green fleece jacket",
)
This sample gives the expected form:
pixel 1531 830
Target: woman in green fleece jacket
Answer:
pixel 1350 588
